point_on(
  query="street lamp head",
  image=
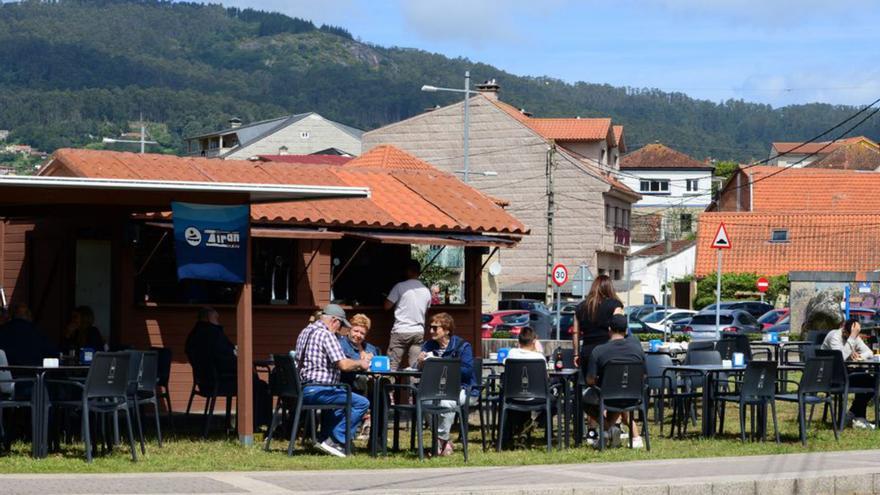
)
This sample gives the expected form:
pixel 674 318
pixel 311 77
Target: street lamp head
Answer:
pixel 429 89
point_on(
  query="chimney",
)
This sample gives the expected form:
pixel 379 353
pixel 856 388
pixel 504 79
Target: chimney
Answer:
pixel 490 89
pixel 525 112
pixel 234 123
pixel 668 247
pixel 283 150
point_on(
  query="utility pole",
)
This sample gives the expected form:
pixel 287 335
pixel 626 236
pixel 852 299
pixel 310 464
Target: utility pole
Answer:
pixel 551 207
pixel 467 125
pixel 143 134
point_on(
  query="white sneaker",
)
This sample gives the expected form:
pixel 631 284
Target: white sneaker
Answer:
pixel 329 446
pixel 638 443
pixel 862 424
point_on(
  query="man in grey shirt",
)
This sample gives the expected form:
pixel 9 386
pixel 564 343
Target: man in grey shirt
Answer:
pixel 410 300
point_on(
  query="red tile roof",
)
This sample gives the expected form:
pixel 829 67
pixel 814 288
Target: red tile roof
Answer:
pixel 776 189
pixel 855 156
pixel 659 249
pixel 618 138
pixel 307 159
pixel 660 156
pixel 401 197
pixel 821 147
pixel 564 129
pixel 817 242
pixel 387 157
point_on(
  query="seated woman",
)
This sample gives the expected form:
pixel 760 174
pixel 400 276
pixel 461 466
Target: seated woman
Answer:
pixel 81 331
pixel 354 344
pixel 446 345
pixel 848 341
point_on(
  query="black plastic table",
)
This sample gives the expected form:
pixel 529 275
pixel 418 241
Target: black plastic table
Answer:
pixel 376 403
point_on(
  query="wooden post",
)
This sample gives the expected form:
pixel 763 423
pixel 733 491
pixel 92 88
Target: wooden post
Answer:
pixel 244 337
pixel 473 283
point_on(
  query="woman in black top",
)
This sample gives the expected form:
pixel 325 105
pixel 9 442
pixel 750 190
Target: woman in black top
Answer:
pixel 593 318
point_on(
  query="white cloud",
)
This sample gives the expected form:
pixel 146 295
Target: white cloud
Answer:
pixel 772 14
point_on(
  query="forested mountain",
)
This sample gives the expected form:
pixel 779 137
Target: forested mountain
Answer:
pixel 73 71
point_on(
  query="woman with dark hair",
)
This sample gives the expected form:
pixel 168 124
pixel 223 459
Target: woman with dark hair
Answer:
pixel 593 319
pixel 848 341
pixel 81 331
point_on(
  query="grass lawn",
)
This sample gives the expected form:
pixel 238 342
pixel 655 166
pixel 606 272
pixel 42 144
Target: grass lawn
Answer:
pixel 189 454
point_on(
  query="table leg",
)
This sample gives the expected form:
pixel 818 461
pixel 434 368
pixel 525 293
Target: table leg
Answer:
pixel 708 410
pixel 578 412
pixel 376 420
pixel 565 416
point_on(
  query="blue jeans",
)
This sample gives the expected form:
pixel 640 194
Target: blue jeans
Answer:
pixel 333 421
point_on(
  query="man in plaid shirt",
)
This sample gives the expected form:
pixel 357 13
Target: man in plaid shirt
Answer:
pixel 320 359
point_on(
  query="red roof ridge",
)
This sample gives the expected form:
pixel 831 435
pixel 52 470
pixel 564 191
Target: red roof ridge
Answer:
pixel 389 157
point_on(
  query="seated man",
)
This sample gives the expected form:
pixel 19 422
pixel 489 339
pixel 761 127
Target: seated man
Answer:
pixel 849 342
pixel 527 346
pixel 207 345
pixel 23 342
pixel 320 360
pixel 618 348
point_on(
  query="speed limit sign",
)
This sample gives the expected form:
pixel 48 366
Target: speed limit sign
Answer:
pixel 560 274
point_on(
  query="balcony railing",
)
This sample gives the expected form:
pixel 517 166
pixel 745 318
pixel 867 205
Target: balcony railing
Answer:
pixel 621 237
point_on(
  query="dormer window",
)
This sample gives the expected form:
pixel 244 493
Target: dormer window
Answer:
pixel 779 235
pixel 304 134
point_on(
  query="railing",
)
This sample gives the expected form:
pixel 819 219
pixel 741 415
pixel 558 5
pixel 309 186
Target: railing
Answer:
pixel 621 237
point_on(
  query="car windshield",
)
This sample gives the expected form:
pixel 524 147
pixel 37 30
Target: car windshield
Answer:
pixel 783 321
pixel 487 318
pixel 769 317
pixel 655 317
pixel 709 319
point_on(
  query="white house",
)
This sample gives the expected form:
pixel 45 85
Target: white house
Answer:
pixel 300 134
pixel 672 184
pixel 660 263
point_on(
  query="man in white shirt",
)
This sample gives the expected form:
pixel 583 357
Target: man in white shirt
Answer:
pixel 410 300
pixel 527 346
pixel 848 342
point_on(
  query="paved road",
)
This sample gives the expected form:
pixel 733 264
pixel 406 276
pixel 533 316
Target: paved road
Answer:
pixel 831 473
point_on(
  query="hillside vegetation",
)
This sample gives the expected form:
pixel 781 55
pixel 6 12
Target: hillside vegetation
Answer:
pixel 73 71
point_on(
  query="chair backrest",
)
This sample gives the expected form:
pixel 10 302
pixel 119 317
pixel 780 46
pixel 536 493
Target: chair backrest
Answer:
pixel 567 357
pixel 5 388
pixel 839 375
pixel 701 345
pixel 655 364
pixel 108 375
pixel 440 380
pixel 284 380
pixel 478 371
pixel 623 380
pixel 135 368
pixel 702 357
pixel 163 369
pixel 808 351
pixel 734 343
pixel 726 347
pixel 759 379
pixel 525 379
pixel 817 376
pixel 204 374
pixel 149 372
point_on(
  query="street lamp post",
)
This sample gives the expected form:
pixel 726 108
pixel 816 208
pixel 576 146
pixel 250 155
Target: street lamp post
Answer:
pixel 467 93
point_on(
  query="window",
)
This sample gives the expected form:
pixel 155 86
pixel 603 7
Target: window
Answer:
pixel 779 235
pixel 686 222
pixel 304 134
pixel 602 157
pixel 654 186
pixel 616 274
pixel 693 185
pixel 608 220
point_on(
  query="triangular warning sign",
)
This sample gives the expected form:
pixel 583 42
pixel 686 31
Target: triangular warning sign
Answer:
pixel 722 240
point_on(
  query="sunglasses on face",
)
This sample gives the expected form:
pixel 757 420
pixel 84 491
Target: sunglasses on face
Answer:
pixel 435 327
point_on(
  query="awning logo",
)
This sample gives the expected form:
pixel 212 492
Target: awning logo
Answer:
pixel 193 236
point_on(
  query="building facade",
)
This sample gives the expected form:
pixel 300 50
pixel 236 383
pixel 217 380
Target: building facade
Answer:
pixel 300 134
pixel 523 161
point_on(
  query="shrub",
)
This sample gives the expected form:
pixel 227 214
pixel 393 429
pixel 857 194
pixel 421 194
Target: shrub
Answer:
pixel 502 335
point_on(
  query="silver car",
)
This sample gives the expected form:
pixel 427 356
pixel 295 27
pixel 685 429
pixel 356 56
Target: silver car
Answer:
pixel 733 321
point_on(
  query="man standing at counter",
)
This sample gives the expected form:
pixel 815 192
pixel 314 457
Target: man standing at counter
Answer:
pixel 410 300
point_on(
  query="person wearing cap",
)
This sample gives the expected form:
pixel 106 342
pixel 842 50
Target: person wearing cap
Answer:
pixel 321 361
pixel 619 348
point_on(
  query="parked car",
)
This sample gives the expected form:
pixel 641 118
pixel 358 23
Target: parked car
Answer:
pixel 702 325
pixel 754 308
pixel 639 326
pixel 869 319
pixel 540 317
pixel 663 320
pixel 636 313
pixel 505 321
pixel 781 327
pixel 772 317
pixel 486 328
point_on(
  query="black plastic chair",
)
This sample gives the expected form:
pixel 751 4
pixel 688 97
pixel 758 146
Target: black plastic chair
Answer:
pixel 147 392
pixel 623 388
pixel 135 368
pixel 756 390
pixel 163 375
pixel 440 381
pixel 842 388
pixel 816 379
pixel 526 388
pixel 104 392
pixel 730 344
pixel 9 400
pixel 483 403
pixel 210 383
pixel 660 385
pixel 285 384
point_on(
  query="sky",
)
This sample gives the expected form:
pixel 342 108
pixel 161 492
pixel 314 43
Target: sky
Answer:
pixel 777 52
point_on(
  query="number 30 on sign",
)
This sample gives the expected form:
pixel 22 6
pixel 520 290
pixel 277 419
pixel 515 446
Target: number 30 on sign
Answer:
pixel 560 274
